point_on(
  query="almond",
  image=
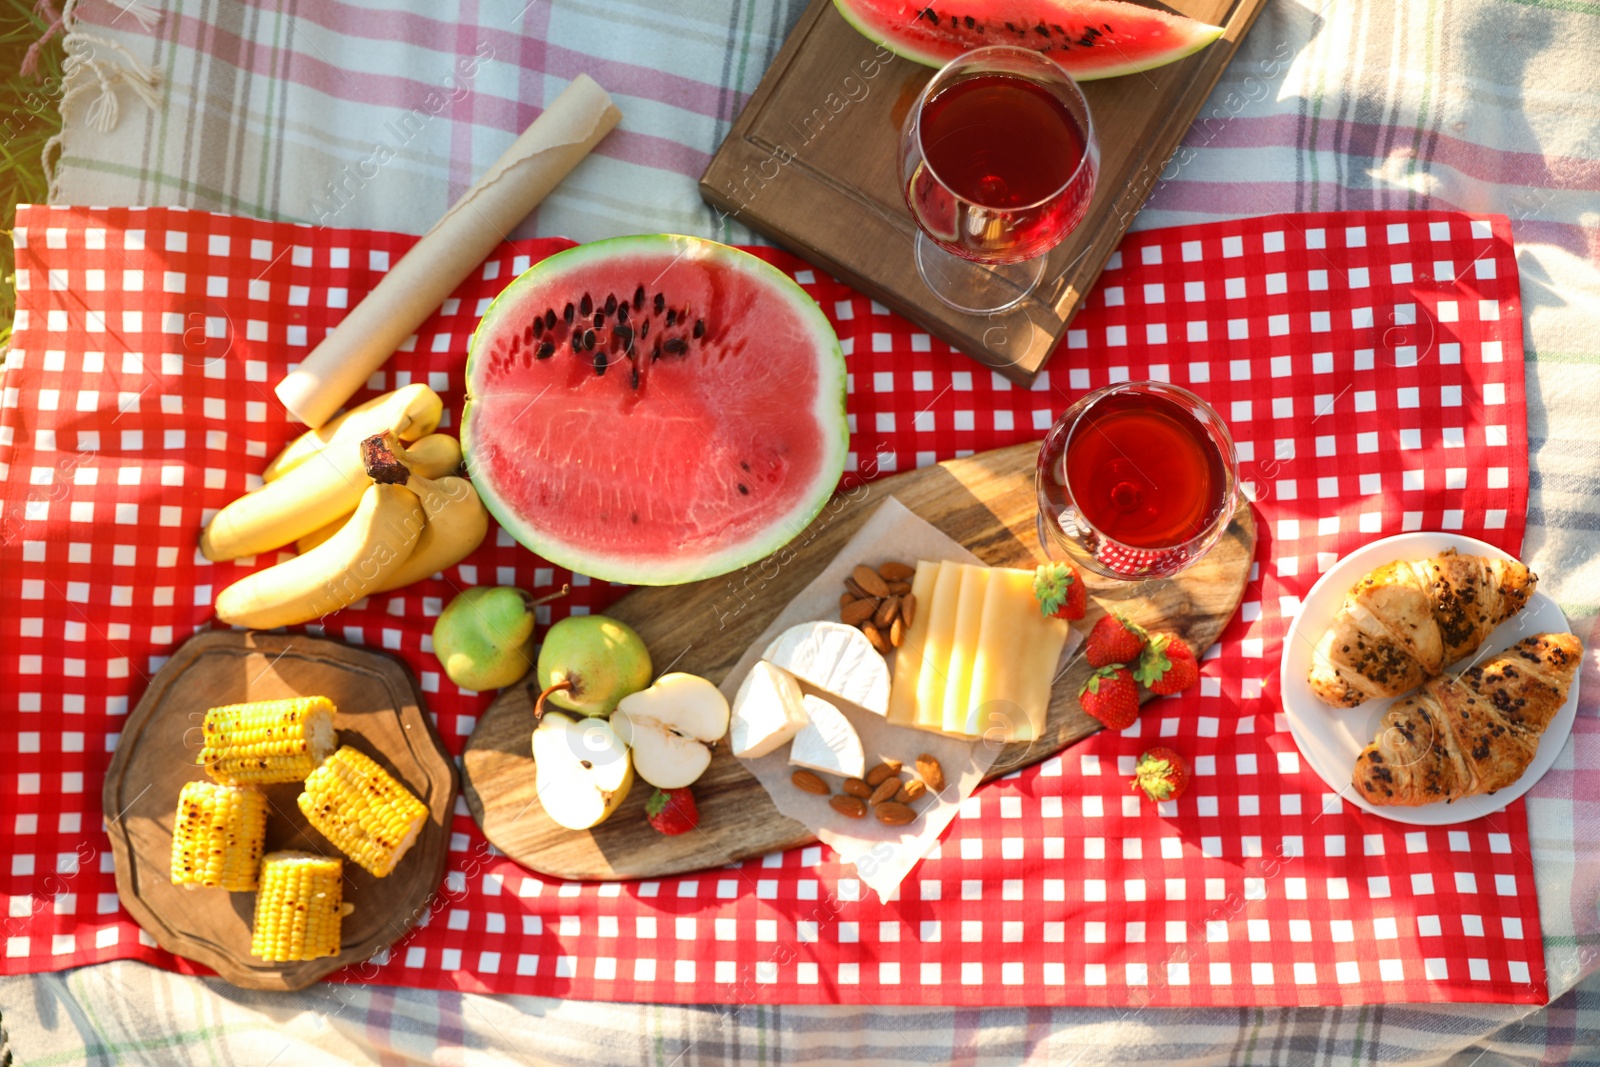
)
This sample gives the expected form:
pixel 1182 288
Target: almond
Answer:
pixel 883 770
pixel 875 635
pixel 899 588
pixel 911 792
pixel 808 782
pixel 858 611
pixel 854 807
pixel 930 771
pixel 908 608
pixel 887 612
pixel 895 571
pixel 856 589
pixel 846 599
pixel 868 579
pixel 897 632
pixel 857 788
pixel 893 814
pixel 886 789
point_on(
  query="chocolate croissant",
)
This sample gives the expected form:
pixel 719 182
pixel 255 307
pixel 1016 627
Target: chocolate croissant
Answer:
pixel 1406 621
pixel 1471 734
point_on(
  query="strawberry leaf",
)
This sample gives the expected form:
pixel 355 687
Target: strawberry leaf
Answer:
pixel 1153 662
pixel 1153 776
pixel 656 804
pixel 1050 584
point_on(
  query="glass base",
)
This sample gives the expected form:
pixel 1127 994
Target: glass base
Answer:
pixel 976 288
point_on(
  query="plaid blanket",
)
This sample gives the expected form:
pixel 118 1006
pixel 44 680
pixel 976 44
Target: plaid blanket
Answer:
pixel 276 110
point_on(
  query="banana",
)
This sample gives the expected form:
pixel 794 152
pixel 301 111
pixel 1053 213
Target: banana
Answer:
pixel 351 564
pixel 410 412
pixel 435 456
pixel 311 496
pixel 457 523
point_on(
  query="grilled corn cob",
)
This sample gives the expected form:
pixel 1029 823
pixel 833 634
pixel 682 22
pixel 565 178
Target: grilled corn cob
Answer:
pixel 299 907
pixel 218 836
pixel 268 740
pixel 364 812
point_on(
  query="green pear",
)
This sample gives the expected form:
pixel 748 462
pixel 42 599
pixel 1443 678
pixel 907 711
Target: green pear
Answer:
pixel 589 662
pixel 484 639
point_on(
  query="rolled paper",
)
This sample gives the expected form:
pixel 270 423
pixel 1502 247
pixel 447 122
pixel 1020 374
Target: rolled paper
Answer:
pixel 546 152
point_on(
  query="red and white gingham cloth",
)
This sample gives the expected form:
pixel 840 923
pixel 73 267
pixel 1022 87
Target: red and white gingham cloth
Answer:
pixel 1369 364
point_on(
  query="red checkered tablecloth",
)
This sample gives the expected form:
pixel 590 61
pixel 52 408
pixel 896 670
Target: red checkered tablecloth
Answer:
pixel 1369 364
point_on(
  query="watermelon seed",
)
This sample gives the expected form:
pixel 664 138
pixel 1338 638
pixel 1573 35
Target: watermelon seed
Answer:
pixel 546 350
pixel 634 379
pixel 550 319
pixel 600 363
pixel 930 14
pixel 672 316
pixel 655 355
pixel 638 299
pixel 1042 30
pixel 538 325
pixel 622 312
pixel 586 306
pixel 971 22
pixel 743 489
pixel 743 465
pixel 624 334
pixel 676 346
pixel 699 328
pixel 567 314
pixel 599 318
pixel 577 342
pixel 660 303
pixel 588 340
pixel 611 304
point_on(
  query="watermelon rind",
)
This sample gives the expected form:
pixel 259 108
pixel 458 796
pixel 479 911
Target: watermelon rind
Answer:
pixel 829 412
pixel 869 20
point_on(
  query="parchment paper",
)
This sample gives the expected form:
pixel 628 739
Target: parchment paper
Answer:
pixel 557 141
pixel 883 855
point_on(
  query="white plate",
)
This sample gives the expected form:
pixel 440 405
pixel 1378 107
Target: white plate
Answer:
pixel 1330 739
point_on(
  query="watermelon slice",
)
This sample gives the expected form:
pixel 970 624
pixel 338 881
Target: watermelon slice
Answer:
pixel 654 410
pixel 1089 38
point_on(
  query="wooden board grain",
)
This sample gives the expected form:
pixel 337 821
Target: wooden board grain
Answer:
pixel 379 712
pixel 985 502
pixel 812 162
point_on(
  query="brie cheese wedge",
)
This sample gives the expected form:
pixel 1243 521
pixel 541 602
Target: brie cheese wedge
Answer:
pixel 768 710
pixel 835 658
pixel 827 744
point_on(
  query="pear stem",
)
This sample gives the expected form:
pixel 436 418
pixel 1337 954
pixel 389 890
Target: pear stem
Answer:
pixel 538 705
pixel 547 598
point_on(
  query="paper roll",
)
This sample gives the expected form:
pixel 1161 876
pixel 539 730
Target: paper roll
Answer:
pixel 546 152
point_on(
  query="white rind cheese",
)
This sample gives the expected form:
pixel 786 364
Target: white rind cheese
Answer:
pixel 767 711
pixel 835 658
pixel 828 743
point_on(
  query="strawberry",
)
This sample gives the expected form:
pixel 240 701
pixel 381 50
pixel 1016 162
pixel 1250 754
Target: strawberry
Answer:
pixel 1162 774
pixel 1111 695
pixel 672 812
pixel 1059 589
pixel 1167 665
pixel 1114 640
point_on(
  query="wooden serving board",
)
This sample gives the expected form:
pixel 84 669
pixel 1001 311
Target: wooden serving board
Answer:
pixel 379 712
pixel 812 162
pixel 985 502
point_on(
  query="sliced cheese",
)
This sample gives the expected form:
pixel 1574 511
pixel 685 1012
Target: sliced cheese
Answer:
pixel 908 657
pixel 767 711
pixel 1015 660
pixel 963 647
pixel 936 648
pixel 835 658
pixel 827 743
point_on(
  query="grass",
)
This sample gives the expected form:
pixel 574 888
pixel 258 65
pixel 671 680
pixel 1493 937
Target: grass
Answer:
pixel 28 118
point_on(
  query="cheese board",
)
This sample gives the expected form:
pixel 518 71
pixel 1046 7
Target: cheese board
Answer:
pixel 379 713
pixel 985 502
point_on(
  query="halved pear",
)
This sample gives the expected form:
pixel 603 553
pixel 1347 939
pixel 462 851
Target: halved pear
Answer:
pixel 582 769
pixel 671 727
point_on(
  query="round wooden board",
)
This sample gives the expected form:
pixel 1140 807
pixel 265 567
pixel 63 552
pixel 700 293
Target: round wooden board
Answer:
pixel 379 712
pixel 984 502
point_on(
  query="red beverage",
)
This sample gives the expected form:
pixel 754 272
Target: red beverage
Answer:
pixel 1003 175
pixel 1143 471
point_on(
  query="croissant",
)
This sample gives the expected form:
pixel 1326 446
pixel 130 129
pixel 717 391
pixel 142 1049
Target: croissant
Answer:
pixel 1475 733
pixel 1406 621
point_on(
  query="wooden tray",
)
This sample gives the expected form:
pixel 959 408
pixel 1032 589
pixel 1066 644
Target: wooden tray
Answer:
pixel 812 163
pixel 380 713
pixel 985 502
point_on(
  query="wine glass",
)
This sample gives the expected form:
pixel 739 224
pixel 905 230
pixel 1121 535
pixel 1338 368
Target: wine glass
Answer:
pixel 998 162
pixel 1136 480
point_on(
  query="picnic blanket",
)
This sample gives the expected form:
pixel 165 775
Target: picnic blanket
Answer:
pixel 1484 105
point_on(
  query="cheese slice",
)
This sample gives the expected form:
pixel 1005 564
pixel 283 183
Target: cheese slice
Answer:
pixel 835 658
pixel 1015 662
pixel 767 711
pixel 936 648
pixel 908 657
pixel 963 647
pixel 827 743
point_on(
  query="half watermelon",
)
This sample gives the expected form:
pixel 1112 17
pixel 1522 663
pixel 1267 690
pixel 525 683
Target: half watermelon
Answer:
pixel 654 410
pixel 1089 38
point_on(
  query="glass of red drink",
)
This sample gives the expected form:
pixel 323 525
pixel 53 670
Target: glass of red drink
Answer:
pixel 998 162
pixel 1136 480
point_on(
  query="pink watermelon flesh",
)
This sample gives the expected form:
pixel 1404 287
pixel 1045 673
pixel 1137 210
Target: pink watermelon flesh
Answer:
pixel 1089 38
pixel 702 430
